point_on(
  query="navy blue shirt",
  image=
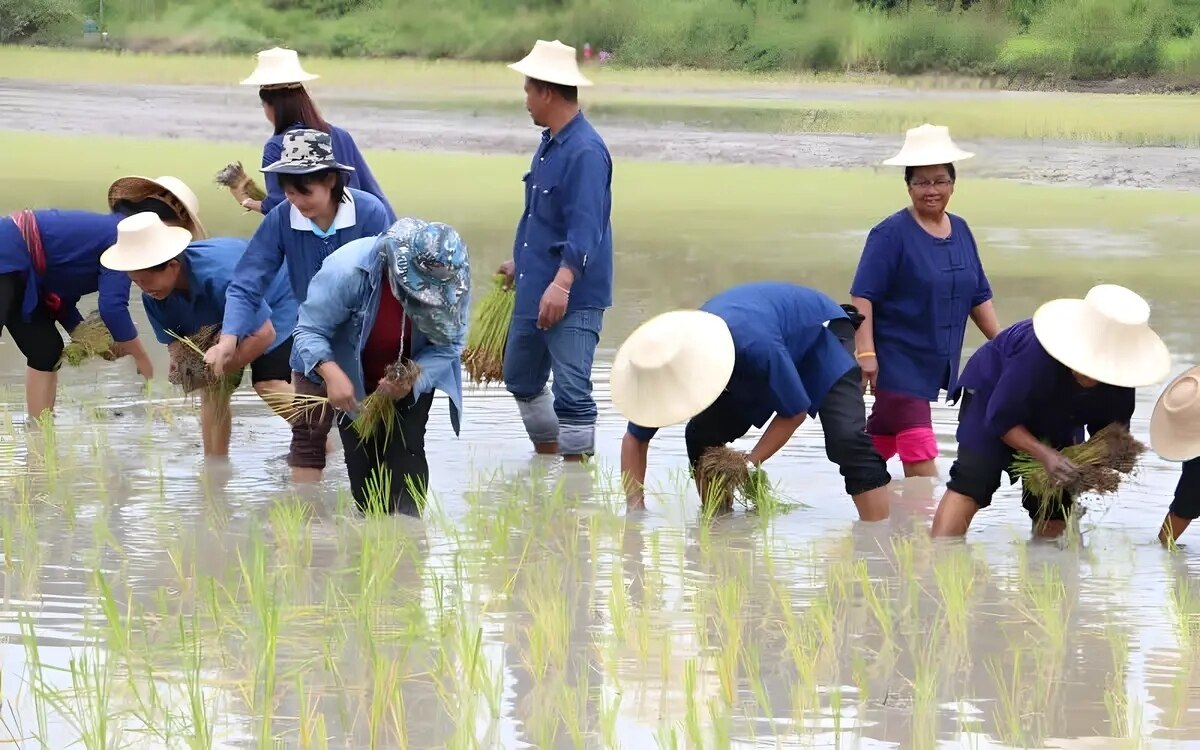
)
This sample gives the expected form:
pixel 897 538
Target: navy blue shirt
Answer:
pixel 209 265
pixel 286 235
pixel 568 202
pixel 73 242
pixel 785 358
pixel 1015 382
pixel 345 150
pixel 922 290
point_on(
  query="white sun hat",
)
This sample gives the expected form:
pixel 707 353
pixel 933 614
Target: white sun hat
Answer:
pixel 553 62
pixel 144 241
pixel 278 67
pixel 672 367
pixel 927 146
pixel 179 196
pixel 1105 336
pixel 1175 422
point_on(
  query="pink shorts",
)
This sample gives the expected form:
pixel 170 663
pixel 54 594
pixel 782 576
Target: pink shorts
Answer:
pixel 902 425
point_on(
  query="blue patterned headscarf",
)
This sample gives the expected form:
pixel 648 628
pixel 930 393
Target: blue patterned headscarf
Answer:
pixel 430 273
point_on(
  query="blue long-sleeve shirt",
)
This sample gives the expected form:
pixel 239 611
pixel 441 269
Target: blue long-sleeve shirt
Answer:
pixel 73 242
pixel 1015 382
pixel 785 358
pixel 209 265
pixel 922 291
pixel 285 235
pixel 566 222
pixel 345 150
pixel 337 318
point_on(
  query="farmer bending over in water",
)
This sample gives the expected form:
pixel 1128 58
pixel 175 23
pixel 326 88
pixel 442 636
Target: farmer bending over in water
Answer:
pixel 1036 387
pixel 562 262
pixel 183 285
pixel 752 351
pixel 375 301
pixel 49 259
pixel 321 214
pixel 1175 436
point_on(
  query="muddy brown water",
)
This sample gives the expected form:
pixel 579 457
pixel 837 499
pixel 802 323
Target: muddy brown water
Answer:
pixel 128 495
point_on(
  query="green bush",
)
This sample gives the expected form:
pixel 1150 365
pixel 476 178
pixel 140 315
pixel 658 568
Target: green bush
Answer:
pixel 1106 38
pixel 26 19
pixel 924 39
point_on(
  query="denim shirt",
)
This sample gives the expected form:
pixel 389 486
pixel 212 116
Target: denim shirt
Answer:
pixel 568 202
pixel 345 150
pixel 339 314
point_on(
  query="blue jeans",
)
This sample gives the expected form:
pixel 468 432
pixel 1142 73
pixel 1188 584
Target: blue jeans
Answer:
pixel 567 413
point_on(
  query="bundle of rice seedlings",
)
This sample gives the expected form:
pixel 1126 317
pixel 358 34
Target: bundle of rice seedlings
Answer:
pixel 1104 460
pixel 483 356
pixel 188 368
pixel 295 406
pixel 240 184
pixel 375 412
pixel 727 476
pixel 89 339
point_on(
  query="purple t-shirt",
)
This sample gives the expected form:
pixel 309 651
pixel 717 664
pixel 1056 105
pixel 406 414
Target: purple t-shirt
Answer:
pixel 1013 381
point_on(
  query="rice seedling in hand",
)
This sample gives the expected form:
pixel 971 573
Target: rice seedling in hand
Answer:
pixel 89 340
pixel 189 370
pixel 295 406
pixel 1103 461
pixel 487 337
pixel 240 184
pixel 727 474
pixel 376 410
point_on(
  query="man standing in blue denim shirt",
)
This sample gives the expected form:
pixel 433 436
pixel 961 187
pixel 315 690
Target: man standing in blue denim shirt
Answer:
pixel 562 262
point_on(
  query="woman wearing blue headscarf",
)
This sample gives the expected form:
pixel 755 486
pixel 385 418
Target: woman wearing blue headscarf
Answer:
pixel 403 294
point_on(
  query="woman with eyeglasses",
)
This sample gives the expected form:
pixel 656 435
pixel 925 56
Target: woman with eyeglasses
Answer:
pixel 918 281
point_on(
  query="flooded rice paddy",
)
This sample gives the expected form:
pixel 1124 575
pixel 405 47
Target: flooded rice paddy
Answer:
pixel 154 600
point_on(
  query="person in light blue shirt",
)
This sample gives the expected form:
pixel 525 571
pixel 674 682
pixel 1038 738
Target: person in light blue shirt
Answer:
pixel 562 264
pixel 405 295
pixel 320 215
pixel 183 291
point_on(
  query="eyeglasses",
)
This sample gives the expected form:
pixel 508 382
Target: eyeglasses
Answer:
pixel 923 184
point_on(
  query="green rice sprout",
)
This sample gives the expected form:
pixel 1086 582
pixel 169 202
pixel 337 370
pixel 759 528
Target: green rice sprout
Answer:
pixel 487 337
pixel 376 412
pixel 726 476
pixel 188 368
pixel 1103 460
pixel 89 340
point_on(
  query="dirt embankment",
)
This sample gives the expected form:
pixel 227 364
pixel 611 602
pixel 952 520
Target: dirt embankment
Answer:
pixel 228 114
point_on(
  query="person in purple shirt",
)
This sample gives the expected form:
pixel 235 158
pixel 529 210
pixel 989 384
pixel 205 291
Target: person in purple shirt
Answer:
pixel 918 281
pixel 320 215
pixel 288 107
pixel 1175 436
pixel 50 258
pixel 1036 387
pixel 562 264
pixel 759 352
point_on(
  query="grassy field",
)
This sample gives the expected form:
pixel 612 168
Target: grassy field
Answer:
pixel 673 217
pixel 775 103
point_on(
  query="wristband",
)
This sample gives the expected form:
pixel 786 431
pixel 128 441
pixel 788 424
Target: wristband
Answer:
pixel 861 355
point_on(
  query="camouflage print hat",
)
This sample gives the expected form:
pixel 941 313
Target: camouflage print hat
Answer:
pixel 304 152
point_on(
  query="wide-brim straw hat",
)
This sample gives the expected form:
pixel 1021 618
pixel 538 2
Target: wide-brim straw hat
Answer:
pixel 672 367
pixel 278 67
pixel 1105 336
pixel 1175 421
pixel 144 241
pixel 172 190
pixel 927 146
pixel 553 62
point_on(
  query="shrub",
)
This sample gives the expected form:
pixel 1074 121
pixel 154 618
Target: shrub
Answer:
pixel 24 19
pixel 924 39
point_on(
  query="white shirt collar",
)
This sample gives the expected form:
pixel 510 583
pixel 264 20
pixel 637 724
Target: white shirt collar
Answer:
pixel 345 217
